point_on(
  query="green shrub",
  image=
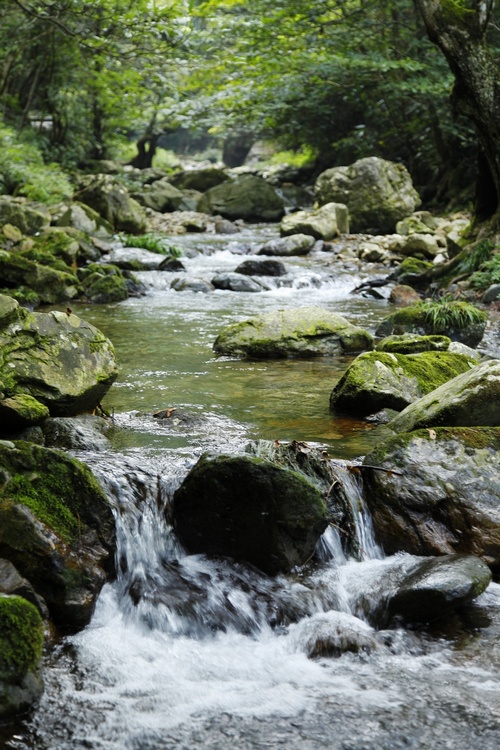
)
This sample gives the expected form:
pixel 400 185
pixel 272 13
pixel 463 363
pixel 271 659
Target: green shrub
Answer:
pixel 488 274
pixel 476 257
pixel 449 313
pixel 155 243
pixel 24 172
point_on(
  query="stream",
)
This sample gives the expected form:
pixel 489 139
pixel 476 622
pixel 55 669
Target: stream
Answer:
pixel 180 652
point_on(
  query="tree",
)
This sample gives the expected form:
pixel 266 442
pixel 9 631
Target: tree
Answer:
pixel 461 28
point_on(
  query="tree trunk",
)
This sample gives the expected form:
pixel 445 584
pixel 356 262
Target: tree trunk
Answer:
pixel 458 27
pixel 146 149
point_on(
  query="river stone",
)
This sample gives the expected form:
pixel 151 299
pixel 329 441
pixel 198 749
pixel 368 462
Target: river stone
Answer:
pixel 200 180
pixel 56 528
pixel 295 244
pixel 12 583
pixel 333 634
pixel 134 259
pixel 193 284
pixel 50 285
pixel 161 196
pixel 404 295
pixel 82 433
pixel 301 331
pixel 249 509
pixel 323 223
pixel 58 359
pixel 377 193
pixel 112 202
pixel 20 411
pixel 413 320
pixel 21 644
pixel 426 245
pixel 386 380
pixel 236 282
pixel 248 197
pixel 18 212
pixel 439 493
pixel 84 219
pixel 409 343
pixel 468 400
pixel 261 268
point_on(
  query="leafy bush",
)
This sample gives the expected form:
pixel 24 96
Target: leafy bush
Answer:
pixel 155 243
pixel 488 274
pixel 24 172
pixel 449 313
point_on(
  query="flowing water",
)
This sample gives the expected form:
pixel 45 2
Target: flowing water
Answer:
pixel 183 651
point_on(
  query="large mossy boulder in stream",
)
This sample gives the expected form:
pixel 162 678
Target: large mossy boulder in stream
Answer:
pixel 30 218
pixel 468 400
pixel 37 281
pixel 113 203
pixel 248 197
pixel 437 491
pixel 297 332
pixel 458 320
pixel 378 193
pixel 386 380
pixel 251 510
pixel 55 358
pixel 21 644
pixel 56 528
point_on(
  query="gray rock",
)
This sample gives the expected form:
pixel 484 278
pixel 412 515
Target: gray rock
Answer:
pixel 161 196
pixel 82 433
pixel 85 219
pixel 192 285
pixel 29 218
pixel 302 332
pixel 13 584
pixel 112 201
pixel 236 282
pixel 437 491
pixel 248 197
pixel 323 223
pixel 491 294
pixel 377 193
pixel 260 268
pixel 295 244
pixel 200 180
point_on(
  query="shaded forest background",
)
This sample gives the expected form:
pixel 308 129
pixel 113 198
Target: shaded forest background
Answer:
pixel 322 82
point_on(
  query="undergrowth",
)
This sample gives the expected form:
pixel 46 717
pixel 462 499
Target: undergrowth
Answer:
pixel 450 313
pixel 488 274
pixel 153 242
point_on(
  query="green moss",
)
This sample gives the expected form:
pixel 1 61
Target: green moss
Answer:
pixel 49 483
pixel 432 369
pixel 107 289
pixel 21 637
pixel 413 344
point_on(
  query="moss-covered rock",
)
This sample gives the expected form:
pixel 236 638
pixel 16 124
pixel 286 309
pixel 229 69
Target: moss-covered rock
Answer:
pixel 440 493
pixel 249 509
pixel 409 343
pixel 199 179
pixel 248 197
pixel 387 380
pixel 83 218
pixel 161 196
pixel 323 223
pixel 49 284
pixel 469 400
pixel 57 358
pixel 113 203
pixel 299 332
pixel 21 644
pixel 19 411
pixel 26 217
pixel 378 193
pixel 455 319
pixel 409 271
pixel 56 527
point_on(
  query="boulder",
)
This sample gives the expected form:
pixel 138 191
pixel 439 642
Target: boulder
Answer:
pixel 412 343
pixel 331 634
pixel 161 196
pixel 249 509
pixel 459 326
pixel 302 332
pixel 134 259
pixel 83 433
pixel 439 493
pixel 422 245
pixel 200 180
pixel 261 268
pixel 386 380
pixel 21 645
pixel 13 584
pixel 113 203
pixel 83 218
pixel 404 296
pixel 56 528
pixel 20 411
pixel 27 217
pixel 44 284
pixel 104 284
pixel 377 193
pixel 236 282
pixel 323 223
pixel 248 197
pixel 57 358
pixel 418 223
pixel 295 244
pixel 469 400
pixel 410 270
pixel 193 284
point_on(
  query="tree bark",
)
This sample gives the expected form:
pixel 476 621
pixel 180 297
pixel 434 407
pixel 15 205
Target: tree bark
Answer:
pixel 458 28
pixel 146 149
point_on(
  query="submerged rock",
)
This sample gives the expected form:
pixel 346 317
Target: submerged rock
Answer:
pixel 21 644
pixel 379 380
pixel 251 510
pixel 440 492
pixel 56 528
pixel 378 193
pixel 302 332
pixel 56 358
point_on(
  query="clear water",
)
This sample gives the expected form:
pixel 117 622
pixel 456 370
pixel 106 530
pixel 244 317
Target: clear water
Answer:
pixel 172 669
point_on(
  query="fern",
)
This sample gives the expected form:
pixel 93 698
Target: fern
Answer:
pixel 449 313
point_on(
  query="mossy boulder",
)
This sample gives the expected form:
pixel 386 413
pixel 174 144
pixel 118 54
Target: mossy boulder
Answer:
pixel 410 270
pixel 458 325
pixel 29 218
pixel 440 493
pixel 387 380
pixel 251 510
pixel 469 400
pixel 113 203
pixel 409 343
pixel 377 193
pixel 22 410
pixel 298 332
pixel 56 358
pixel 323 223
pixel 104 283
pixel 50 285
pixel 161 196
pixel 248 197
pixel 83 218
pixel 21 644
pixel 199 179
pixel 56 527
